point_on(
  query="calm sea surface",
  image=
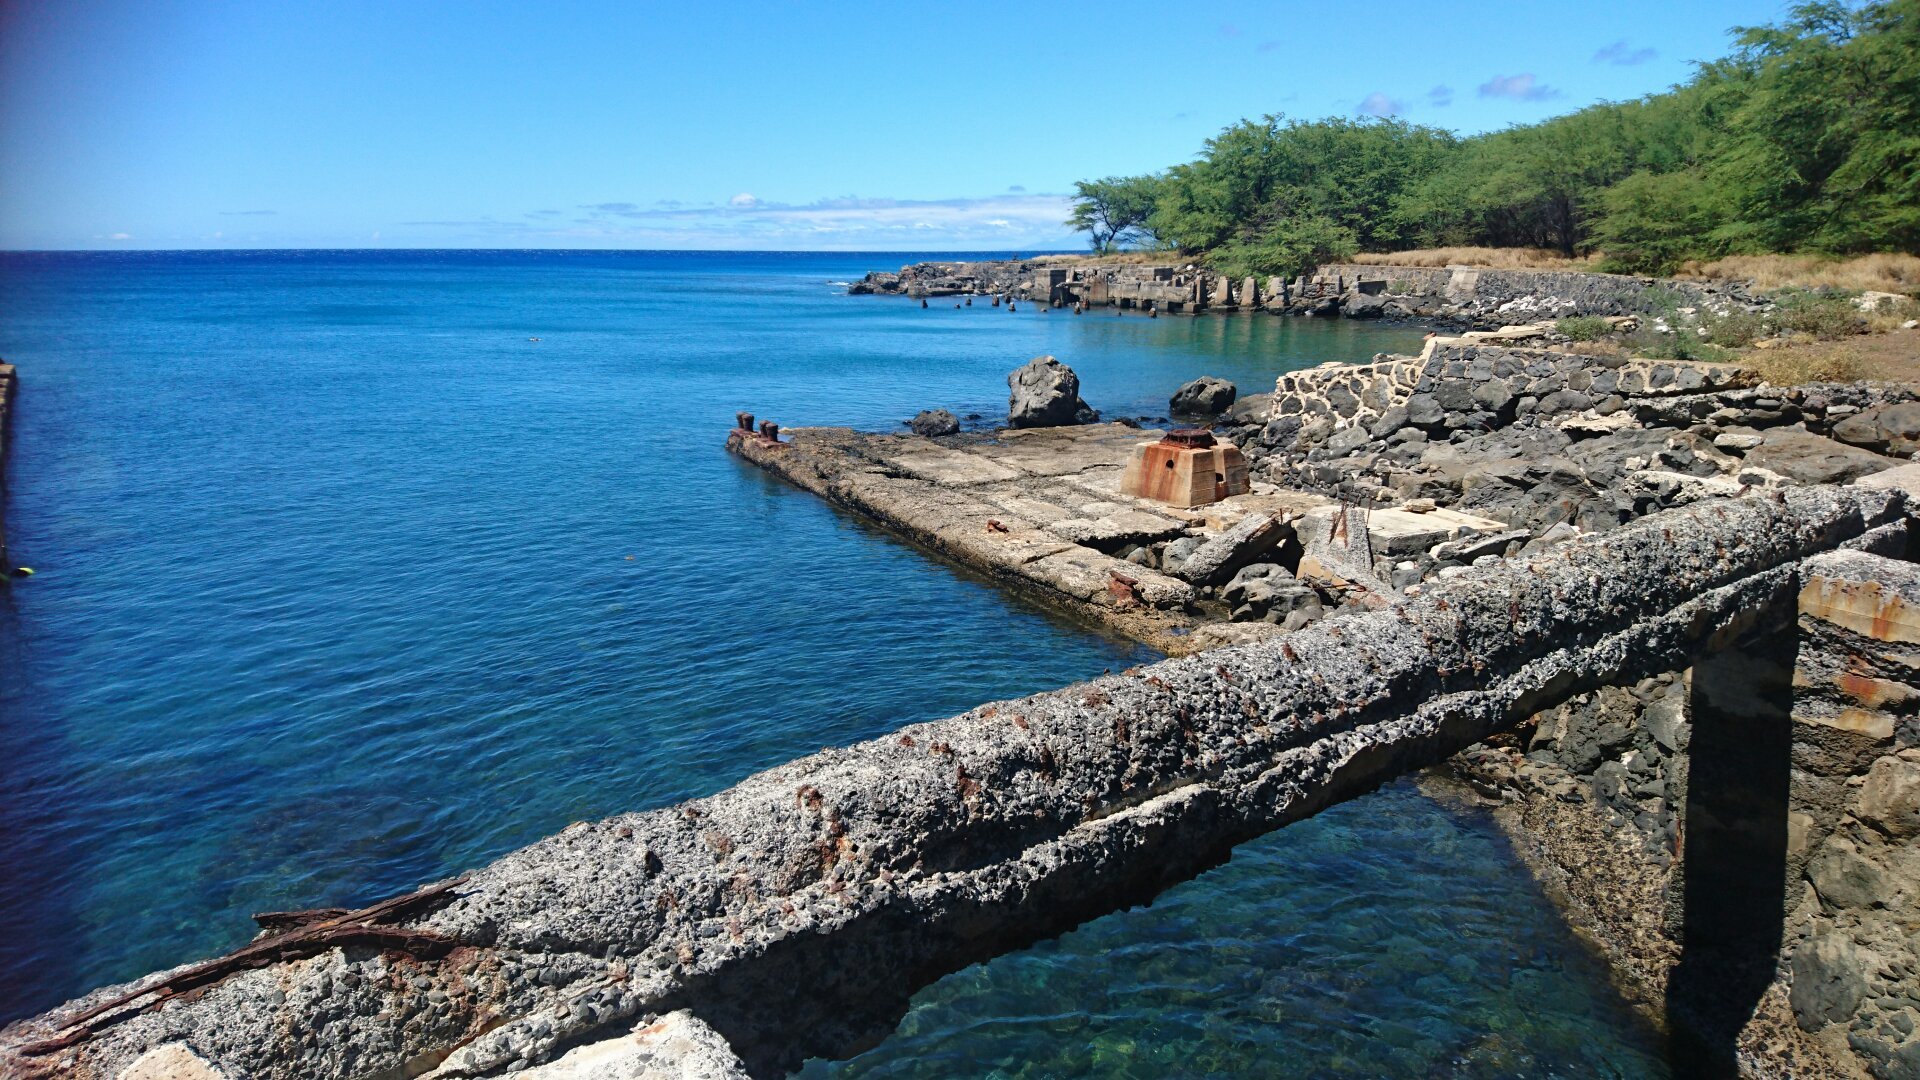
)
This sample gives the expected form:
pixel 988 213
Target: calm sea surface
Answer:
pixel 346 583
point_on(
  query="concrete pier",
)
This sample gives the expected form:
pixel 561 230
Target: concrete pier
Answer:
pixel 796 913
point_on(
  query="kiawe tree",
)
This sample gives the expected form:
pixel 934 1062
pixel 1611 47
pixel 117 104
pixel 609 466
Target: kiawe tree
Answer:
pixel 1114 211
pixel 1806 140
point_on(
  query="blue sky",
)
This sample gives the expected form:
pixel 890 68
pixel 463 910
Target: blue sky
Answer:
pixel 340 123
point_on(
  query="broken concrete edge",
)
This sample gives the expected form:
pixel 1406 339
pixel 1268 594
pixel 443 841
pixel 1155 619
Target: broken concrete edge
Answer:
pixel 677 1045
pixel 1594 795
pixel 1851 958
pixel 1158 620
pixel 797 912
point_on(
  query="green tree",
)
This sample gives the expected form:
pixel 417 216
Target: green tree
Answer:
pixel 1114 211
pixel 1653 222
pixel 1806 138
pixel 1824 152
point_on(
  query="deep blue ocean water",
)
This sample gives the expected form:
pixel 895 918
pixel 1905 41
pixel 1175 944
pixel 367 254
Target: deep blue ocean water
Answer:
pixel 345 583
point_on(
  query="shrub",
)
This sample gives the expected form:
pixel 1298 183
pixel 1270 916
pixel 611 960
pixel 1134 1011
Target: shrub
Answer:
pixel 1825 315
pixel 1287 248
pixel 1584 327
pixel 1493 258
pixel 1734 329
pixel 1684 343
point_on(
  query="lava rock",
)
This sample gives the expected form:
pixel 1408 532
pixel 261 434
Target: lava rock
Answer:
pixel 934 422
pixel 1045 393
pixel 1888 429
pixel 1364 306
pixel 1204 396
pixel 1811 459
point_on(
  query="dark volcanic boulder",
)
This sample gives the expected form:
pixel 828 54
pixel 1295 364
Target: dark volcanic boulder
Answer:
pixel 1364 306
pixel 1811 459
pixel 934 422
pixel 1045 393
pixel 1888 429
pixel 1204 396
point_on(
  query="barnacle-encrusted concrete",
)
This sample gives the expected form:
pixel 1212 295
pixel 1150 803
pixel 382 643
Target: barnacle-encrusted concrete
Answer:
pixel 796 912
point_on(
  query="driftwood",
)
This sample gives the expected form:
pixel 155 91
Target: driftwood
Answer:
pixel 286 935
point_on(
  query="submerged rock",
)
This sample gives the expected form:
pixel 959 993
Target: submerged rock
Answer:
pixel 934 422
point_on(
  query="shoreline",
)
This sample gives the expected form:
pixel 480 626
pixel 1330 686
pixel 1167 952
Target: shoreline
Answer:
pixel 1603 842
pixel 1462 297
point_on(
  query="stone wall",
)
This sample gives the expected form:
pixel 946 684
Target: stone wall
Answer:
pixel 1453 387
pixel 1743 838
pixel 796 913
pixel 1854 835
pixel 1464 295
pixel 1539 438
pixel 1480 294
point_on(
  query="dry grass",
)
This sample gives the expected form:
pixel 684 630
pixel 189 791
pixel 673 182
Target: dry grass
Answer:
pixel 1876 273
pixel 1894 356
pixel 1121 258
pixel 1493 258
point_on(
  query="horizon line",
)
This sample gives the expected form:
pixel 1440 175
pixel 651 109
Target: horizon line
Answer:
pixel 599 250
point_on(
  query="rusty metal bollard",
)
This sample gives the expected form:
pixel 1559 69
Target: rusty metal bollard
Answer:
pixel 743 421
pixel 769 431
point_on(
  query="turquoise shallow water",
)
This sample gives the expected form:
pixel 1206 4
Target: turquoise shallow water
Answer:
pixel 346 584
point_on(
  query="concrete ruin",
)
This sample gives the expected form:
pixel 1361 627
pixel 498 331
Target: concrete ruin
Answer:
pixel 794 914
pixel 1186 468
pixel 1697 714
pixel 1471 296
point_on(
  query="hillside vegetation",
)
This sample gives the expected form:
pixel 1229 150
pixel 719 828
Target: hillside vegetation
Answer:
pixel 1804 141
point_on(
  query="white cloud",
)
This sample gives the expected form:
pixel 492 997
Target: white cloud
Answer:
pixel 994 222
pixel 1379 104
pixel 121 236
pixel 1522 87
pixel 744 199
pixel 1621 54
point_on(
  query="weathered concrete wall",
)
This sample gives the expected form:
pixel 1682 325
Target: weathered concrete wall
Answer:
pixel 796 912
pixel 1853 964
pixel 1483 294
pixel 1740 837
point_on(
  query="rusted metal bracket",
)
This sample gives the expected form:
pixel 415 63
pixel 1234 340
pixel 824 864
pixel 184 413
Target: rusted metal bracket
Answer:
pixel 289 935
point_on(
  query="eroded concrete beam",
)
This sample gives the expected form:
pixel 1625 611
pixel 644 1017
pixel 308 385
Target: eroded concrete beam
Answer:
pixel 796 912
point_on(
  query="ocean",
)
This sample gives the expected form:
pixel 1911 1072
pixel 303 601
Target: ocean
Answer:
pixel 356 569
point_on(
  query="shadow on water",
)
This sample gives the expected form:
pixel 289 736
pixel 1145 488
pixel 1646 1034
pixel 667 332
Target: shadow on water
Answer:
pixel 1732 895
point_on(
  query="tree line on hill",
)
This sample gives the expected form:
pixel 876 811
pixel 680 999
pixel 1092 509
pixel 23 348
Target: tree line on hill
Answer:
pixel 1805 139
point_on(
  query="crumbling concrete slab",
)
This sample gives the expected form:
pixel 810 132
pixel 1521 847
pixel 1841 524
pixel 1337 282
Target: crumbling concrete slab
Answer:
pixel 1040 509
pixel 1121 527
pixel 943 466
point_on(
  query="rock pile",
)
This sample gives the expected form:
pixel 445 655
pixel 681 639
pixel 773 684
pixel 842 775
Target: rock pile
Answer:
pixel 1536 438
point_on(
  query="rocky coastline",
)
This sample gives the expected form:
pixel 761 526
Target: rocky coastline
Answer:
pixel 1461 297
pixel 1656 615
pixel 1536 444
